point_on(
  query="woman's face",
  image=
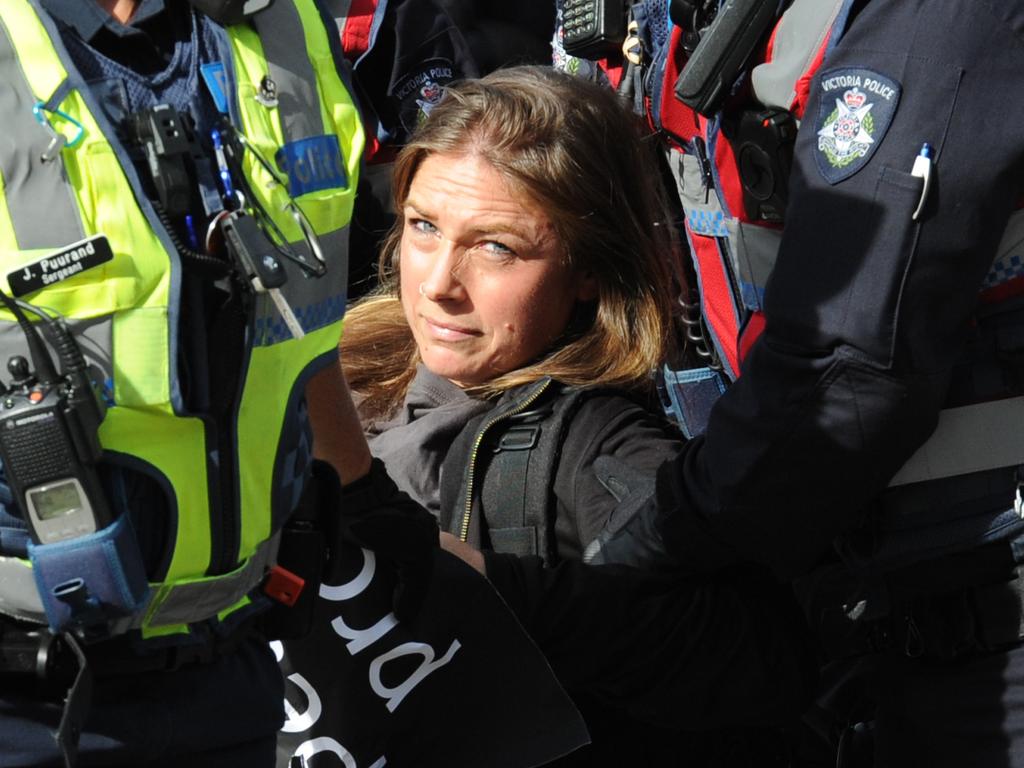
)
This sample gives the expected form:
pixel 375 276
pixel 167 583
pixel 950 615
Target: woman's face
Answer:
pixel 483 280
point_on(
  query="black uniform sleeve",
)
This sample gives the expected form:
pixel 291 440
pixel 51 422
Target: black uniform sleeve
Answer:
pixel 867 309
pixel 609 460
pixel 671 652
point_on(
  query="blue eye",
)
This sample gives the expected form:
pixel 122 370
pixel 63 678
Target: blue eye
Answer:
pixel 422 225
pixel 497 249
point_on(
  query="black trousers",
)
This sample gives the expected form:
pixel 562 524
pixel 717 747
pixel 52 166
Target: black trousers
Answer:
pixel 219 714
pixel 891 711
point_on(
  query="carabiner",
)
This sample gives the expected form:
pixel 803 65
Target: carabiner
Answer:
pixel 59 140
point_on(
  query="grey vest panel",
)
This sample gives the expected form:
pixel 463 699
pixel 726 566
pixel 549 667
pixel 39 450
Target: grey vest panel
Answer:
pixel 802 31
pixel 42 207
pixel 284 45
pixel 185 604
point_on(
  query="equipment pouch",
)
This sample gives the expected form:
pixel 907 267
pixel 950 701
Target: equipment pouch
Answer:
pixel 86 581
pixel 687 397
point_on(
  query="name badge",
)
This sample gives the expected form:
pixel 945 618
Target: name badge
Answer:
pixel 60 265
pixel 313 164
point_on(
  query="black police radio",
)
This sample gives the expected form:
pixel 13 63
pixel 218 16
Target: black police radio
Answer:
pixel 49 441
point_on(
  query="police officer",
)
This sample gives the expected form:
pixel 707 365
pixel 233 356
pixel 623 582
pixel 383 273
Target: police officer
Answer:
pixel 177 185
pixel 867 446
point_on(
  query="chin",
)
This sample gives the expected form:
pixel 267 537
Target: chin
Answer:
pixel 458 374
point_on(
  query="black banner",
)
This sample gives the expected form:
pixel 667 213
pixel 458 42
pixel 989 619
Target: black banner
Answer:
pixel 461 685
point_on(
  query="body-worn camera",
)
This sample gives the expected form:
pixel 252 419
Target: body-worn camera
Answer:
pixel 764 154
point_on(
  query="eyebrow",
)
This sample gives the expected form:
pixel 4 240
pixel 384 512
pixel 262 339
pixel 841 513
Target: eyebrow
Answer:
pixel 501 227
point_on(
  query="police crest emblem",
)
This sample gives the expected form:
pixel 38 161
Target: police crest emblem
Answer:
pixel 856 109
pixel 421 89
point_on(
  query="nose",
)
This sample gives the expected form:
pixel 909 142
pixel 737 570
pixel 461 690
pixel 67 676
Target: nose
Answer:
pixel 443 282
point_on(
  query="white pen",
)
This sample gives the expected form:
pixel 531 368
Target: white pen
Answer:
pixel 923 170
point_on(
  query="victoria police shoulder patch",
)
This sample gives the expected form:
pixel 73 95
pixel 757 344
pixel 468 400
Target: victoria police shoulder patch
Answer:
pixel 856 109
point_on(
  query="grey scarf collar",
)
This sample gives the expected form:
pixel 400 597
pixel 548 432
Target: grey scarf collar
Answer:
pixel 415 441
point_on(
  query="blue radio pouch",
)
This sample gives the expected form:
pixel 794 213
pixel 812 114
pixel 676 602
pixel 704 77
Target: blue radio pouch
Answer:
pixel 90 580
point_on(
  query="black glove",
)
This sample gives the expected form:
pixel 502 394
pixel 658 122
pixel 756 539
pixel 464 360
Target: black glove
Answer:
pixel 376 515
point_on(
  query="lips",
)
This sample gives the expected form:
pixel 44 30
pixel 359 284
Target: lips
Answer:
pixel 446 331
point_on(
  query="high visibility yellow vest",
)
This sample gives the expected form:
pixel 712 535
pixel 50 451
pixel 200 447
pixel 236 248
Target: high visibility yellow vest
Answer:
pixel 129 307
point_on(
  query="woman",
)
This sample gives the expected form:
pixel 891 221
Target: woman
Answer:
pixel 524 304
pixel 514 258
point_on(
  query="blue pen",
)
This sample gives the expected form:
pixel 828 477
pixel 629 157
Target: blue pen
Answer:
pixel 922 169
pixel 222 165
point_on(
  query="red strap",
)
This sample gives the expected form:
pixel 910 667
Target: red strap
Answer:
pixel 676 118
pixel 355 37
pixel 1011 289
pixel 803 85
pixel 769 49
pixel 716 295
pixel 751 331
pixel 612 71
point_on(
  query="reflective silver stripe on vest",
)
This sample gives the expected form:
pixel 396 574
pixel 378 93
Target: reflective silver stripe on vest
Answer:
pixel 41 204
pixel 182 604
pixel 187 603
pixel 303 294
pixel 752 249
pixel 801 32
pixel 284 46
pixel 1009 260
pixel 973 438
pixel 704 214
pixel 94 334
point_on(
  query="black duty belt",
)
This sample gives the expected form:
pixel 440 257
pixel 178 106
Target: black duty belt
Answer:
pixel 121 656
pixel 938 625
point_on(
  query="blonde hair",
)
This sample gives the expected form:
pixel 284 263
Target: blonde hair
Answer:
pixel 572 147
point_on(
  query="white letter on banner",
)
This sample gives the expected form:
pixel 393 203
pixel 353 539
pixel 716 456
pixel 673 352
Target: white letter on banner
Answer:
pixel 354 587
pixel 278 648
pixel 394 696
pixel 361 638
pixel 297 723
pixel 320 744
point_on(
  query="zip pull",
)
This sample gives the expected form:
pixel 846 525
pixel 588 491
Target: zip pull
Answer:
pixel 707 176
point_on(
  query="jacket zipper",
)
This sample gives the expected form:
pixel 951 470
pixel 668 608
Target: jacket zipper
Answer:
pixel 471 468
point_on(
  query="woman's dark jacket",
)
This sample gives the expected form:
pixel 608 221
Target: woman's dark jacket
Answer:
pixel 642 646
